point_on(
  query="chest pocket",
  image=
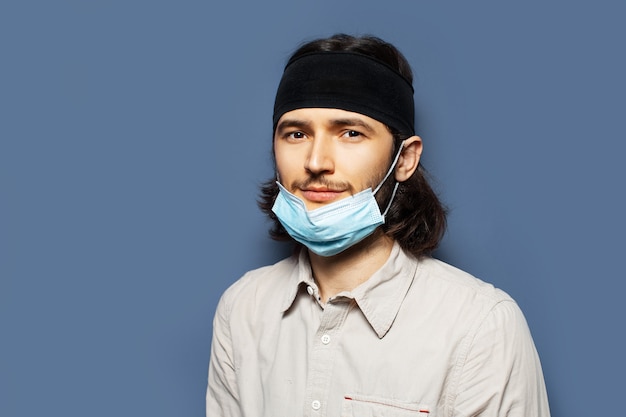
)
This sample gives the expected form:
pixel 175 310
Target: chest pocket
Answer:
pixel 369 406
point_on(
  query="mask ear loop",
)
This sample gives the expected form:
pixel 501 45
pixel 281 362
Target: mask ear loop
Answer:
pixel 395 188
pixel 393 194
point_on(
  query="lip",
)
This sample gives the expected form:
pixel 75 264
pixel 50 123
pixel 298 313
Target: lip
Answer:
pixel 321 194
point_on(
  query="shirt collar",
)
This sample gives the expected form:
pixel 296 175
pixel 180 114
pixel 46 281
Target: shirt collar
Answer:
pixel 379 298
pixel 301 275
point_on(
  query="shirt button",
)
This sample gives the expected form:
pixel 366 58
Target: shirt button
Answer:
pixel 309 289
pixel 326 339
pixel 316 405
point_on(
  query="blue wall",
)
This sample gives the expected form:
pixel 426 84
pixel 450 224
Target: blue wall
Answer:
pixel 133 135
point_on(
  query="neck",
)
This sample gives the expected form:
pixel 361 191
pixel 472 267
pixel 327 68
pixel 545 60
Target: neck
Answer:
pixel 350 268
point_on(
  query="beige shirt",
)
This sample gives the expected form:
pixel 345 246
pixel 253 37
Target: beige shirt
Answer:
pixel 419 338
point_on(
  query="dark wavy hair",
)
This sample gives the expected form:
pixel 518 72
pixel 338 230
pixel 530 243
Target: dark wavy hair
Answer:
pixel 416 218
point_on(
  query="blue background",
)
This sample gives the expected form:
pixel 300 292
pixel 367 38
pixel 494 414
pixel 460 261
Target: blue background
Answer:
pixel 133 135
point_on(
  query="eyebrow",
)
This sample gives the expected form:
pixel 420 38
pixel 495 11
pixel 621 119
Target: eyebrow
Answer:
pixel 352 122
pixel 287 123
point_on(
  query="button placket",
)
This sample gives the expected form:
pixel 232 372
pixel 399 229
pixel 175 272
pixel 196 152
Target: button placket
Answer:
pixel 323 355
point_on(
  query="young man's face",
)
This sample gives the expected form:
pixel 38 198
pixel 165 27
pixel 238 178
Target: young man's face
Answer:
pixel 324 155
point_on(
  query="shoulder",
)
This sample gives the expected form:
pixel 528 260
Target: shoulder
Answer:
pixel 260 285
pixel 454 281
pixel 486 312
pixel 447 294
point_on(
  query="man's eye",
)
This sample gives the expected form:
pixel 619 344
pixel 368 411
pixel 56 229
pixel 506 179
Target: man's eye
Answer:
pixel 296 135
pixel 352 134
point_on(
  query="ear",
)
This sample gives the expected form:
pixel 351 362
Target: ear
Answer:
pixel 409 158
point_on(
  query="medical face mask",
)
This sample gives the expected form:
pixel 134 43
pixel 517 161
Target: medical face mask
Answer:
pixel 337 226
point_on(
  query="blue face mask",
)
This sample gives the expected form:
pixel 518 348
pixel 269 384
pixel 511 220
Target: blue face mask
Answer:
pixel 337 226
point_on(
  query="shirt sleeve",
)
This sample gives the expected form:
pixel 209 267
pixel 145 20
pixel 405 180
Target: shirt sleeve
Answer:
pixel 222 398
pixel 501 374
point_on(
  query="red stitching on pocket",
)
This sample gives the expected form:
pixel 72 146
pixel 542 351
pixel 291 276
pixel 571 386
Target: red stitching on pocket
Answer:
pixel 421 410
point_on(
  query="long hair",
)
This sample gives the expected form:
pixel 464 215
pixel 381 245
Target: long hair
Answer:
pixel 416 218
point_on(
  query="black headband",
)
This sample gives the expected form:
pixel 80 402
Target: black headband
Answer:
pixel 347 81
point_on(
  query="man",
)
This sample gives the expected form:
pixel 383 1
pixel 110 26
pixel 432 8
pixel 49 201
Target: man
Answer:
pixel 361 321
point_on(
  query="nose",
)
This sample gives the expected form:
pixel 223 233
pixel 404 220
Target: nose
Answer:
pixel 320 158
